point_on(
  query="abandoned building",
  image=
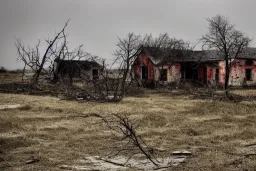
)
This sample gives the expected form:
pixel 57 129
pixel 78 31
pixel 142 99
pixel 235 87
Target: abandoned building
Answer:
pixel 205 67
pixel 89 70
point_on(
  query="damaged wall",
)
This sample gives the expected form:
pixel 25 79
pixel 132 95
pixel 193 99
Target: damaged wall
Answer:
pixel 241 72
pixel 143 60
pixel 238 72
pixel 173 72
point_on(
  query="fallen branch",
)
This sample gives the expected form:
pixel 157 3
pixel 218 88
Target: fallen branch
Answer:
pixel 115 163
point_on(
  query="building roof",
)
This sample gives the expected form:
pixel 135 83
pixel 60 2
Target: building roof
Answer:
pixel 158 56
pixel 83 63
pixel 250 53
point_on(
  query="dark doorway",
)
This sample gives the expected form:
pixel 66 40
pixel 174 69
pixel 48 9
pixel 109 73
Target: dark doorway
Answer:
pixel 217 75
pixel 144 72
pixel 189 71
pixel 205 75
pixel 248 74
pixel 95 74
pixel 163 74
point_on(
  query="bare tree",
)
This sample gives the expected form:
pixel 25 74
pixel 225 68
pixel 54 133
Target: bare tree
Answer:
pixel 171 48
pixel 31 56
pixel 230 42
pixel 126 53
pixel 125 132
pixel 128 49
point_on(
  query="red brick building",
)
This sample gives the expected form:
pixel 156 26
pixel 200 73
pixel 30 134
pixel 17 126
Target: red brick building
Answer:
pixel 206 67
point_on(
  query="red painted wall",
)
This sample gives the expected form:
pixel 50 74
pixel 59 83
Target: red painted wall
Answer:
pixel 237 72
pixel 209 74
pixel 201 73
pixel 143 60
pixel 222 73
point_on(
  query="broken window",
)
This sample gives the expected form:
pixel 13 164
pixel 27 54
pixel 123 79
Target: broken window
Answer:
pixel 144 72
pixel 248 74
pixel 95 74
pixel 249 62
pixel 163 74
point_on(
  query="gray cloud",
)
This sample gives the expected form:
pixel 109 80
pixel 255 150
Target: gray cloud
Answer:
pixel 98 23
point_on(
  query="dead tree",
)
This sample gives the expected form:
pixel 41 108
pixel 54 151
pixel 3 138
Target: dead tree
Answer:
pixel 125 55
pixel 31 56
pixel 230 42
pixel 129 48
pixel 171 49
pixel 124 131
pixel 58 36
pixel 127 51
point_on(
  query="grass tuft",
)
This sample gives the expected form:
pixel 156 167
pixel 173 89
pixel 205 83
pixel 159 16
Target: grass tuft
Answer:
pixel 26 107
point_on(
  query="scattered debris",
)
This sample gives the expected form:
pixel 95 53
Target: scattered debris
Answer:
pixel 122 163
pixel 10 106
pixel 32 160
pixel 183 153
pixel 251 145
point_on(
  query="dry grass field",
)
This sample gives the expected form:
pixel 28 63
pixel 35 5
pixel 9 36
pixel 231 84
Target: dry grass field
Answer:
pixel 221 135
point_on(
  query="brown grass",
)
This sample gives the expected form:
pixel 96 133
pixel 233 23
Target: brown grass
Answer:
pixel 10 77
pixel 26 107
pixel 215 132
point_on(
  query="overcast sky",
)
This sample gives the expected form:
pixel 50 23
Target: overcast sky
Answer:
pixel 97 23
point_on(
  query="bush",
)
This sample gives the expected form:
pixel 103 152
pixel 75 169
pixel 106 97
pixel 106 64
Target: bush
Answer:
pixel 26 107
pixel 3 70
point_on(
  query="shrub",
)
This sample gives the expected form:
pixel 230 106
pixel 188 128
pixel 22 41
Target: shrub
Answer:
pixel 3 70
pixel 26 107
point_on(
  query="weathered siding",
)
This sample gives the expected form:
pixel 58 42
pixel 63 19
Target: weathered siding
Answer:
pixel 143 60
pixel 173 69
pixel 201 73
pixel 238 73
pixel 173 72
pixel 206 71
pixel 210 78
pixel 222 73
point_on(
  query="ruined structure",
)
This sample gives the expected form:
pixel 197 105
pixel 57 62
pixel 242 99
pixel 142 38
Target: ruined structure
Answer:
pixel 206 67
pixel 77 69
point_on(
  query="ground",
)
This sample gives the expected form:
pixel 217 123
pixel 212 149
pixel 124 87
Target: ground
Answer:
pixel 221 135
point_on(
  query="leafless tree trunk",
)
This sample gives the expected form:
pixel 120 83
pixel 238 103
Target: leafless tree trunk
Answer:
pixel 230 42
pixel 126 53
pixel 47 50
pixel 129 48
pixel 31 56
